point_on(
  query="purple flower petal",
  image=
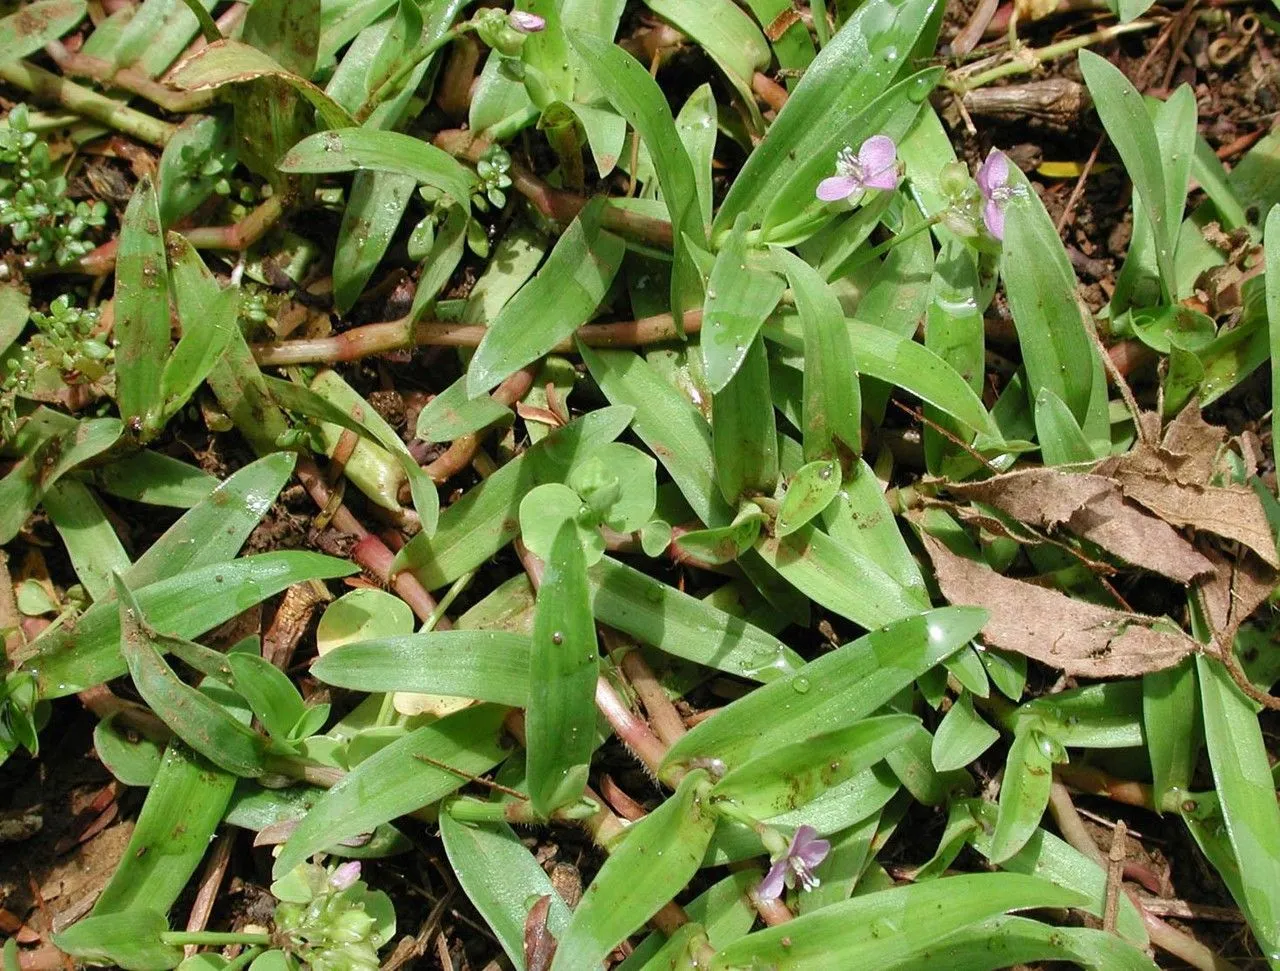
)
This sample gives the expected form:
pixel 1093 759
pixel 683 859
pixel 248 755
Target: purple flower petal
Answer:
pixel 807 848
pixel 882 179
pixel 994 173
pixel 837 187
pixel 525 22
pixel 771 886
pixel 345 875
pixel 877 153
pixel 993 216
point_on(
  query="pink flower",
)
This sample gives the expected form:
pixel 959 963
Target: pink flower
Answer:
pixel 993 183
pixel 803 854
pixel 874 167
pixel 525 22
pixel 345 875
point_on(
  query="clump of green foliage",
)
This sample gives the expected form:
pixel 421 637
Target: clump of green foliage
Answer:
pixel 49 227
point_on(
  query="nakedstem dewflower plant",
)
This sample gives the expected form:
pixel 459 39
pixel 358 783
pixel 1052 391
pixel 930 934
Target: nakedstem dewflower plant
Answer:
pixel 874 167
pixel 794 864
pixel 993 183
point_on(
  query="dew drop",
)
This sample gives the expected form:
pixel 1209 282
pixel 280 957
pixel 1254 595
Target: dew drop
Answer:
pixel 800 685
pixel 557 638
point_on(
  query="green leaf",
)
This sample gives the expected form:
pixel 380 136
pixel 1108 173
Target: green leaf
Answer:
pixel 638 98
pixel 213 530
pixel 1247 794
pixel 393 781
pixel 130 940
pixel 860 519
pixel 486 519
pixel 1171 724
pixel 879 929
pixel 1107 715
pixel 809 492
pixel 720 28
pixel 451 414
pixel 185 606
pixel 1024 793
pixel 838 688
pixel 561 715
pixel 962 736
pixel 1130 128
pixel 209 315
pixel 825 110
pixel 36 24
pixel 1009 941
pixel 232 62
pixel 154 479
pixel 786 778
pixel 501 878
pixel 1271 255
pixel 194 717
pixel 654 861
pixel 656 613
pixel 89 537
pixel 374 207
pixel 819 567
pixel 15 310
pixel 487 665
pixel 183 808
pixel 739 297
pixel 832 399
pixel 269 693
pixel 359 149
pixel 1041 289
pixel 1062 441
pixel 696 124
pixel 141 308
pixel 563 296
pixel 287 30
pixel 744 438
pixel 133 759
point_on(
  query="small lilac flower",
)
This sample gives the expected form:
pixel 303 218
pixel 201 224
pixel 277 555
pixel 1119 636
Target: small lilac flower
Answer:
pixel 874 167
pixel 803 854
pixel 345 875
pixel 993 183
pixel 525 22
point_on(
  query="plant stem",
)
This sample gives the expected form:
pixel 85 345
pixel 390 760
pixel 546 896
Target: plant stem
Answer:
pixel 215 938
pixel 1027 59
pixel 392 84
pixel 867 256
pixel 88 104
pixel 393 335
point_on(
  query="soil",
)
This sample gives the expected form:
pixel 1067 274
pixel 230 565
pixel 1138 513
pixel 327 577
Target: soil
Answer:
pixel 64 820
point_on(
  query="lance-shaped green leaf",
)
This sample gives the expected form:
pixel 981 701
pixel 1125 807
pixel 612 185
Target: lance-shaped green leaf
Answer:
pixel 88 535
pixel 232 62
pixel 194 717
pixel 1130 129
pixel 739 297
pixel 141 308
pixel 638 98
pixel 721 544
pixel 824 110
pixel 1061 438
pixel 1041 288
pixel 394 781
pixel 488 665
pixel 501 877
pixel 1271 255
pixel 451 414
pixel 486 519
pixel 15 311
pixel 655 861
pixel 1107 715
pixel 832 402
pixel 1010 941
pixel 561 297
pixel 208 315
pixel 184 805
pixel 131 940
pixel 356 149
pixel 1024 793
pixel 744 437
pixel 786 778
pixel 819 567
pixel 186 606
pixel 36 24
pixel 961 737
pixel 154 479
pixel 1247 795
pixel 560 721
pixel 214 530
pixel 722 29
pixel 1171 727
pixel 836 689
pixel 878 929
pixel 269 693
pixel 809 492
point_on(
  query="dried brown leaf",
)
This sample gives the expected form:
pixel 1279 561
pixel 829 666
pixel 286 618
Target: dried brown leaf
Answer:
pixel 1237 587
pixel 1093 508
pixel 539 945
pixel 1079 638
